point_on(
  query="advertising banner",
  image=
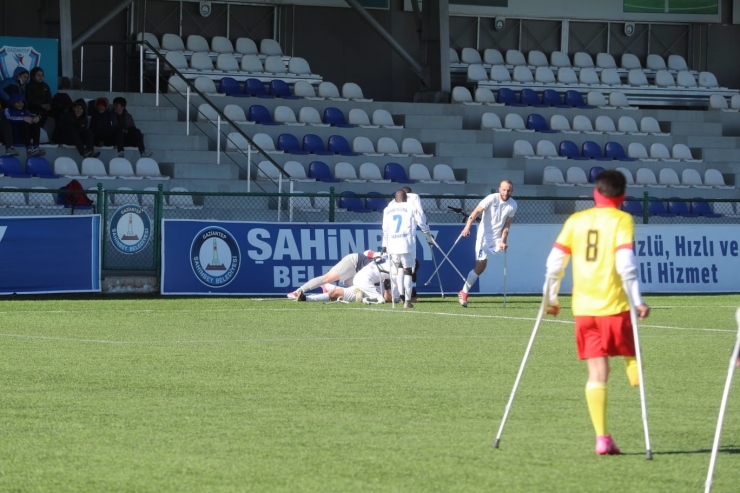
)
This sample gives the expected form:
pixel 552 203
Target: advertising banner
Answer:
pixel 59 254
pixel 29 53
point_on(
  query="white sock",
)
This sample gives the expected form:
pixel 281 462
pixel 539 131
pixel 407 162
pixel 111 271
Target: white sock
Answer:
pixel 472 277
pixel 312 284
pixel 400 276
pixel 317 297
pixel 408 285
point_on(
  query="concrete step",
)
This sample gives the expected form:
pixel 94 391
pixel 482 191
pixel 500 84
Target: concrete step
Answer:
pixel 448 135
pixel 696 129
pixel 154 126
pixel 193 171
pixel 452 149
pixel 451 122
pixel 713 154
pixel 713 141
pixel 181 142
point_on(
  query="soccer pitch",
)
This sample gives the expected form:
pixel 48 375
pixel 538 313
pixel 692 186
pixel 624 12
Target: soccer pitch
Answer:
pixel 225 395
pixel 672 6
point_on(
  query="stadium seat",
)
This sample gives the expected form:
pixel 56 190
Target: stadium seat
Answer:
pixel 597 99
pixel 513 121
pixel 289 143
pixel 515 58
pixel 280 89
pixel 567 75
pixel 658 208
pixel 678 207
pixel 384 119
pixel 444 173
pixel 692 178
pixel 559 123
pixel 39 167
pixel 508 97
pixel 682 152
pixel 10 197
pixel 614 150
pixel 449 204
pixel 454 57
pixel 637 78
pixel 610 77
pixel 172 42
pixel 632 206
pixel 655 62
pixel 553 176
pixel 177 60
pixel 329 90
pixel 413 147
pixel 470 55
pixel 461 95
pixel 396 173
pixel 121 167
pixel 588 77
pixel 376 203
pixel 715 179
pixel 206 86
pixel 196 43
pixel 419 172
pixel 180 200
pixel 650 125
pixel 593 173
pixel 583 60
pixel 299 66
pixel 669 177
pixel 206 113
pixel 363 145
pixel 559 59
pixel 686 80
pixel 569 149
pixel 699 207
pixel 94 168
pixel 297 172
pixel 523 75
pixel 310 116
pixel 122 198
pixel 551 97
pixel 335 118
pixel 663 78
pixel 148 168
pixel 259 114
pixel 275 65
pixel 371 173
pixel 346 172
pixel 628 125
pixel 304 89
pixel 220 44
pixel 523 149
pixel 544 75
pixel 647 178
pixel 230 87
pixel 270 47
pixel 677 62
pixel 635 150
pixel 605 124
pixel 617 99
pixel 359 118
pixel 67 167
pixel 546 149
pixel 582 123
pixel 42 200
pixel 491 121
pixel 485 96
pixel 574 98
pixel 718 102
pixel 429 204
pixel 660 151
pixel 630 61
pixel 592 150
pixel 226 62
pixel 236 142
pixel 476 73
pixel 339 145
pixel 265 142
pixel 500 74
pixel 734 104
pixel 149 38
pixel 286 116
pixel 255 87
pixel 628 177
pixel 315 145
pixel 576 176
pixel 492 56
pixel 529 97
pixel 321 172
pixel 388 146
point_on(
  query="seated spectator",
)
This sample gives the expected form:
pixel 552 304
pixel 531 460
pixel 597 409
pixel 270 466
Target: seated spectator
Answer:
pixel 72 130
pixel 103 124
pixel 126 132
pixel 24 123
pixel 38 95
pixel 13 85
pixel 6 132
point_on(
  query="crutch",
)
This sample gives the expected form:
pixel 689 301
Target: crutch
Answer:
pixel 443 261
pixel 448 259
pixel 391 264
pixel 505 276
pixel 540 314
pixel 436 269
pixel 723 405
pixel 643 401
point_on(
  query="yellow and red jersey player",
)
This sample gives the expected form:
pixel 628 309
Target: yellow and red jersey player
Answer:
pixel 599 241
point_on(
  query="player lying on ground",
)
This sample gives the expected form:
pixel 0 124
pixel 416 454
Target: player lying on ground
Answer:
pixel 343 272
pixel 369 284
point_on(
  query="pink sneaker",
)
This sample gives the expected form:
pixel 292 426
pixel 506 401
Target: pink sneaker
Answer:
pixel 462 297
pixel 323 288
pixel 606 446
pixel 295 294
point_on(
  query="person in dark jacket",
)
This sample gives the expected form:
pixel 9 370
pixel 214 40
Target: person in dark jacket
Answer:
pixel 25 123
pixel 13 85
pixel 72 130
pixel 6 132
pixel 126 132
pixel 38 95
pixel 103 124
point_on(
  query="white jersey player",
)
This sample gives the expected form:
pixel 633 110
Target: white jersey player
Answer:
pixel 498 211
pixel 415 200
pixel 400 220
pixel 367 285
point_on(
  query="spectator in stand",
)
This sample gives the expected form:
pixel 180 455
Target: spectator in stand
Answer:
pixel 13 85
pixel 38 95
pixel 126 132
pixel 26 124
pixel 72 130
pixel 103 124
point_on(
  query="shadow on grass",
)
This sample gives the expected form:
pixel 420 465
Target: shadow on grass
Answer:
pixel 732 449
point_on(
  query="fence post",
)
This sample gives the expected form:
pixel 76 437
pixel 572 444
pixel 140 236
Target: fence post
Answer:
pixel 218 139
pixel 141 68
pixel 158 207
pixel 156 85
pixel 332 205
pixel 103 202
pixel 645 207
pixel 187 110
pixel 290 203
pixel 110 83
pixel 280 198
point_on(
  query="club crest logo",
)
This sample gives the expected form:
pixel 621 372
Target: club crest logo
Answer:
pixel 215 257
pixel 130 228
pixel 12 57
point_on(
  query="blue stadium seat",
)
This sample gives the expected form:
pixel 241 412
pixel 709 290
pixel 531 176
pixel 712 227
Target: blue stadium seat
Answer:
pixel 10 166
pixel 530 97
pixel 339 145
pixel 508 97
pixel 312 143
pixel 570 150
pixel 280 89
pixel 376 203
pixel 260 114
pixel 679 208
pixel 289 143
pixel 593 173
pixel 657 208
pixel 335 118
pixel 396 173
pixel 574 98
pixel 321 172
pixel 231 87
pixel 40 167
pixel 551 97
pixel 615 150
pixel 592 150
pixel 537 122
pixel 255 87
pixel 350 201
pixel 701 208
pixel 632 206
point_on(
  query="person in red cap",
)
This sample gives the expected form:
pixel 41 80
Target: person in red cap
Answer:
pixel 103 124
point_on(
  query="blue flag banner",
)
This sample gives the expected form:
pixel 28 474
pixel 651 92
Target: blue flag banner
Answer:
pixel 240 258
pixel 59 254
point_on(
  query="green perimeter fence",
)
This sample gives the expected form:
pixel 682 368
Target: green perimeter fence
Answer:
pixel 156 204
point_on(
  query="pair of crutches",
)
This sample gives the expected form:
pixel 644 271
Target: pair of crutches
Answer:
pixel 540 314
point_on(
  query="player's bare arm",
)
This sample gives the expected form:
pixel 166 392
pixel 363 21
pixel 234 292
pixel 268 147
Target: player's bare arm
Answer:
pixel 466 230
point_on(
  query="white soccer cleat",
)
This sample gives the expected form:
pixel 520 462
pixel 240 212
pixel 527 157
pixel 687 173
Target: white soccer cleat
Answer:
pixel 295 294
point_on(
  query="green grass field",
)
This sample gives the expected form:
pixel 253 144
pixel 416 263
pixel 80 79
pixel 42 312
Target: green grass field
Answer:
pixel 227 395
pixel 672 6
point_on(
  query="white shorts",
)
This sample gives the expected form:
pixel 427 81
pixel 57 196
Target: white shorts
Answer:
pixel 485 246
pixel 364 289
pixel 407 260
pixel 351 294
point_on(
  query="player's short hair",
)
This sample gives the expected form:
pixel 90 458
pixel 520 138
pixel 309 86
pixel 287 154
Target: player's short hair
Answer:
pixel 406 189
pixel 610 183
pixel 400 196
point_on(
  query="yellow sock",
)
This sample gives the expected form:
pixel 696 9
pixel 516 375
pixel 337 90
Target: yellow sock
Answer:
pixel 596 400
pixel 633 375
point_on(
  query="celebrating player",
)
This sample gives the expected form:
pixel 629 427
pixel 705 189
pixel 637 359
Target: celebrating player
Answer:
pixel 400 220
pixel 368 285
pixel 600 241
pixel 343 271
pixel 414 200
pixel 498 211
